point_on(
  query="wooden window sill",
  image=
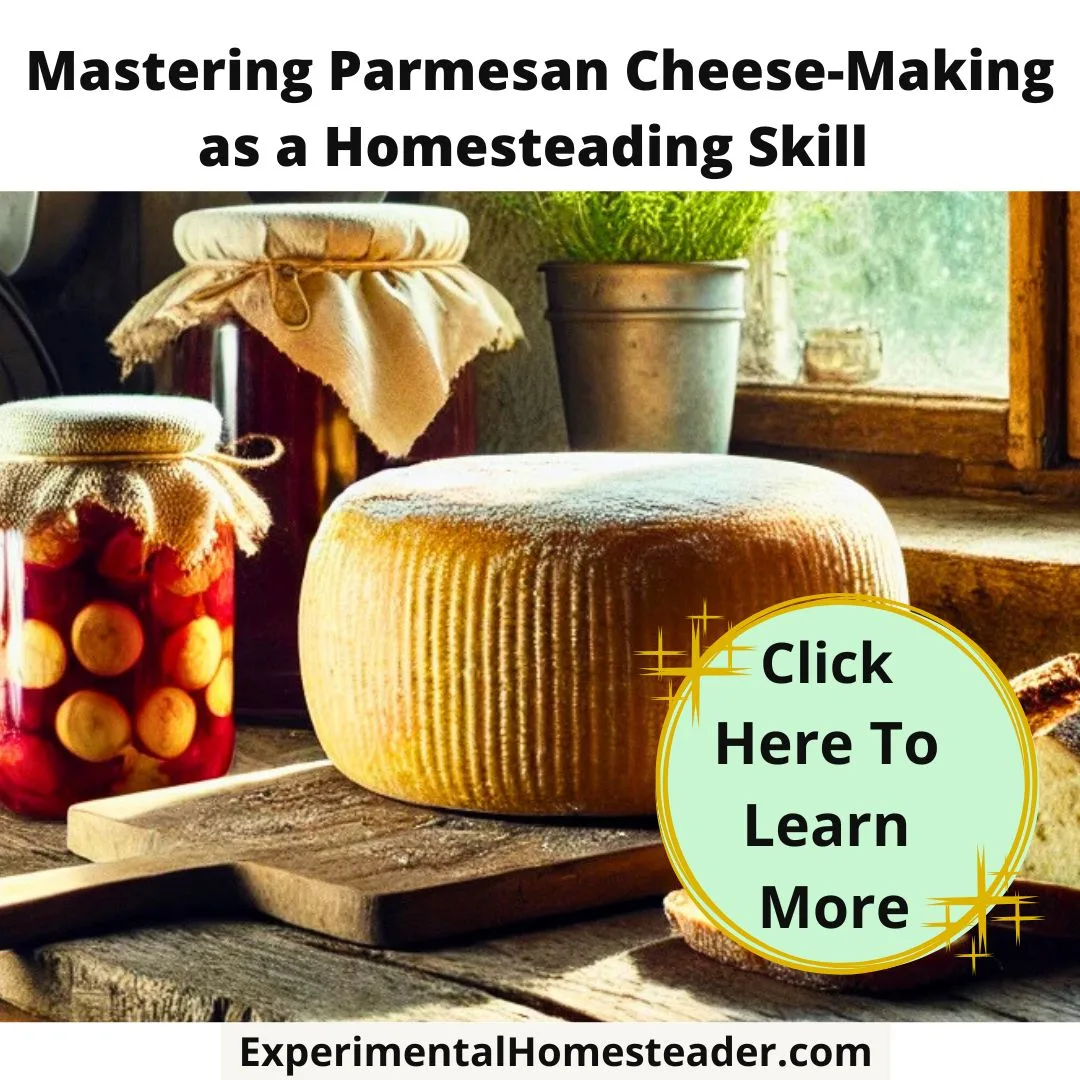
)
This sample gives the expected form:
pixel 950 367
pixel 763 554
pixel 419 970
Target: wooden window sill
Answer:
pixel 872 422
pixel 1005 572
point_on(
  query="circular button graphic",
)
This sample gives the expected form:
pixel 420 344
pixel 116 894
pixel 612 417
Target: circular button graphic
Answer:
pixel 845 783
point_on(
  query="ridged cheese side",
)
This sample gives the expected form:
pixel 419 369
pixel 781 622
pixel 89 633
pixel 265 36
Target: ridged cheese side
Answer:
pixel 488 663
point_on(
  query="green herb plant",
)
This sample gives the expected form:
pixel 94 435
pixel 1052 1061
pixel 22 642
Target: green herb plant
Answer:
pixel 643 226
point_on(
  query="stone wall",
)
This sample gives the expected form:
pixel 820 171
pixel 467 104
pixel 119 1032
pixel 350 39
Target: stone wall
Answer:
pixel 517 392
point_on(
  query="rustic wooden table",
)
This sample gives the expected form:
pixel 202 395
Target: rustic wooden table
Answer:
pixel 621 965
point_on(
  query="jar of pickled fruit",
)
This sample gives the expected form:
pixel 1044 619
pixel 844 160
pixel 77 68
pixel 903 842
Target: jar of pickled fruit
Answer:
pixel 343 329
pixel 119 520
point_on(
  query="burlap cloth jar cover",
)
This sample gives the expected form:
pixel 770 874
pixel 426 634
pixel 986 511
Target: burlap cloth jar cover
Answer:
pixel 154 461
pixel 374 300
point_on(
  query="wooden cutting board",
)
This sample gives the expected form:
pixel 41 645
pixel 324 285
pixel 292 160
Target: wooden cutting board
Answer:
pixel 304 845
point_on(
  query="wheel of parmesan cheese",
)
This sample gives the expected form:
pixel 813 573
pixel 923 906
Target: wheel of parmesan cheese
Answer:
pixel 470 628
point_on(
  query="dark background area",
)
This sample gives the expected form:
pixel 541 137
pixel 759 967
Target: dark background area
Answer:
pixel 125 250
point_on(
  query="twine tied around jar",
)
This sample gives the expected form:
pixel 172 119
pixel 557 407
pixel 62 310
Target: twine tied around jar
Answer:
pixel 226 455
pixel 288 275
pixel 152 460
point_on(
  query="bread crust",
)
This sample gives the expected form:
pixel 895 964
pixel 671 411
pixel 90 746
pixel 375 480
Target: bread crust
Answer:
pixel 1049 693
pixel 684 916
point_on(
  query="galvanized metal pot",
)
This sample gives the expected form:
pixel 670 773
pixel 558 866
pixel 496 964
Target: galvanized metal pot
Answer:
pixel 647 352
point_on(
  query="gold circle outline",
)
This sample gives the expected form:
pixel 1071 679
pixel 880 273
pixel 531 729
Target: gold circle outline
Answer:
pixel 1002 880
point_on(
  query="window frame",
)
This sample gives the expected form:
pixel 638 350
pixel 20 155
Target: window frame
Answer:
pixel 974 441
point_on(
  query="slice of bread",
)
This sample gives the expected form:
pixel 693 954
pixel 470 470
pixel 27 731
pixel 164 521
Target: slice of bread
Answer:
pixel 1050 693
pixel 700 934
pixel 1050 696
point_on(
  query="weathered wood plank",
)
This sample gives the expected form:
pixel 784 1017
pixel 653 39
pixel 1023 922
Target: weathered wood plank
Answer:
pixel 266 748
pixel 590 970
pixel 630 967
pixel 27 845
pixel 665 980
pixel 305 845
pixel 1037 260
pixel 233 971
pixel 863 421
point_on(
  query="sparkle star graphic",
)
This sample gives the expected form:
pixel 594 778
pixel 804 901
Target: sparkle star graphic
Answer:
pixel 981 904
pixel 690 674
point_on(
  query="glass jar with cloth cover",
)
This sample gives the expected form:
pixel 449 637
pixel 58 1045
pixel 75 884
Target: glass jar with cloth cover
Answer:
pixel 343 329
pixel 119 517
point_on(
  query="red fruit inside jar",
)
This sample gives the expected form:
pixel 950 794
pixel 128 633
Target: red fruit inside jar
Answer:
pixel 33 774
pixel 54 596
pixel 220 599
pixel 52 547
pixel 209 752
pixel 172 611
pixel 115 663
pixel 124 557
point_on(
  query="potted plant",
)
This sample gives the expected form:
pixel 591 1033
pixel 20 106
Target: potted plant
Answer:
pixel 645 301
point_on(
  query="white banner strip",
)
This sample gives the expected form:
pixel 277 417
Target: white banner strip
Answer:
pixel 568 94
pixel 911 1051
pixel 531 1049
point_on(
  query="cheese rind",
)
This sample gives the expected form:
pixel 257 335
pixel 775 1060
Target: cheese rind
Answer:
pixel 470 628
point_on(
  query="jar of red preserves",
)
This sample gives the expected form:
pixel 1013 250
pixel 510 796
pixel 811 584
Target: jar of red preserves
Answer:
pixel 344 330
pixel 259 389
pixel 119 525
